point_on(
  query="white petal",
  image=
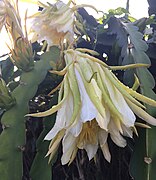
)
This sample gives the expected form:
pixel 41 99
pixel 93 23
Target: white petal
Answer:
pixel 75 130
pixel 127 131
pixel 106 152
pixel 68 26
pixel 69 144
pixel 59 4
pixel 103 144
pixel 102 135
pixel 91 150
pixel 116 136
pixel 120 103
pixel 88 110
pixel 52 133
pixel 62 118
pixel 103 121
pixel 62 19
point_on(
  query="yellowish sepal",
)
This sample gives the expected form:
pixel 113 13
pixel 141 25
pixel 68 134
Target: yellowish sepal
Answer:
pixel 136 83
pixel 121 87
pixel 129 66
pixel 75 92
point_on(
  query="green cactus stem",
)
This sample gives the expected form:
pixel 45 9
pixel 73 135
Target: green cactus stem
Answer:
pixel 40 168
pixel 12 138
pixel 6 98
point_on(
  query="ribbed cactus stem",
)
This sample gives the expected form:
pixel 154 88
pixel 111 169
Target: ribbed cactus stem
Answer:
pixel 12 138
pixel 40 163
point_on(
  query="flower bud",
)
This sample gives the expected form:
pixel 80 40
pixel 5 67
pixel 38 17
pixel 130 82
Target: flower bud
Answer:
pixel 22 54
pixel 6 99
pixel 21 50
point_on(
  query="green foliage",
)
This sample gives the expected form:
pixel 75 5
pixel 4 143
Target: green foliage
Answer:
pixel 118 11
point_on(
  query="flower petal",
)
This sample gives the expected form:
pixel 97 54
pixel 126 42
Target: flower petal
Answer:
pixel 91 150
pixel 54 144
pixel 116 136
pixel 120 103
pixel 127 131
pixel 102 135
pixel 88 110
pixel 76 129
pixel 92 92
pixel 69 144
pixel 103 121
pixel 62 118
pixel 103 144
pixel 106 152
pixel 142 114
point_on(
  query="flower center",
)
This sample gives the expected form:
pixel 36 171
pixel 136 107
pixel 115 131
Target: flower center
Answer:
pixel 88 134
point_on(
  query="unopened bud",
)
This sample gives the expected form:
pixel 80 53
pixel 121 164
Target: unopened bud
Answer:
pixel 22 54
pixel 6 98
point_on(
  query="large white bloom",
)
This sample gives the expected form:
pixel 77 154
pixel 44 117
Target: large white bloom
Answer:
pixel 94 104
pixel 54 23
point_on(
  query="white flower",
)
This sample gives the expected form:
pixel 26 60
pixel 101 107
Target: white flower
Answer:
pixel 92 104
pixel 54 23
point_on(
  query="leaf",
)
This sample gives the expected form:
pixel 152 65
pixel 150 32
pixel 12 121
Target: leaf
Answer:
pixel 115 26
pixel 118 11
